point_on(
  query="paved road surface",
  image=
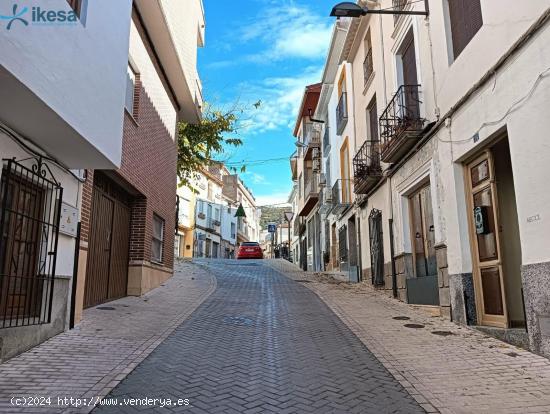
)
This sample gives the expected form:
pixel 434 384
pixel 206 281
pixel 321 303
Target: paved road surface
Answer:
pixel 263 343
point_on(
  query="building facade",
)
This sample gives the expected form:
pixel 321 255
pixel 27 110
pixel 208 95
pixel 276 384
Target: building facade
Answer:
pixel 128 214
pixel 51 129
pixel 446 204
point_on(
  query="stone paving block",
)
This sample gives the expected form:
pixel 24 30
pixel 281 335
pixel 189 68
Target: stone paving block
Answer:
pixel 92 358
pixel 465 372
pixel 291 352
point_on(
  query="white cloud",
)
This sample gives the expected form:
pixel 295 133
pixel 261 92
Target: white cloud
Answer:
pixel 281 98
pixel 290 31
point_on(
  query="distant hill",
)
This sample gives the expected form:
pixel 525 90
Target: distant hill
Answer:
pixel 272 214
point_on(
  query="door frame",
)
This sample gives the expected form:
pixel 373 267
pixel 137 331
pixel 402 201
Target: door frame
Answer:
pixel 499 321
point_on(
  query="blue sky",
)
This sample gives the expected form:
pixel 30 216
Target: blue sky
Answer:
pixel 266 50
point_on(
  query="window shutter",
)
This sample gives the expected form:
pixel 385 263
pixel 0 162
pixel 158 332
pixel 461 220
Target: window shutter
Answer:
pixel 373 121
pixel 466 20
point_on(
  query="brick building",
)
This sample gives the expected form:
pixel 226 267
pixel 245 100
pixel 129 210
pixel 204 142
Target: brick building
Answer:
pixel 128 215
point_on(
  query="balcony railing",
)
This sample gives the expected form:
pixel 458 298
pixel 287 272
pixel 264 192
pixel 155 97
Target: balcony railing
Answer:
pixel 313 140
pixel 368 67
pixel 342 113
pixel 341 196
pixel 398 5
pixel 311 187
pixel 212 224
pixel 401 124
pixel 326 140
pixel 367 170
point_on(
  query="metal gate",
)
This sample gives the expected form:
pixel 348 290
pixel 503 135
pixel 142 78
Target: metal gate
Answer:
pixel 30 200
pixel 343 247
pixel 376 247
pixel 108 250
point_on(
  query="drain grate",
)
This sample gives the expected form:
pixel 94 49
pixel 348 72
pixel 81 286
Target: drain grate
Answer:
pixel 413 325
pixel 106 308
pixel 401 318
pixel 442 333
pixel 237 320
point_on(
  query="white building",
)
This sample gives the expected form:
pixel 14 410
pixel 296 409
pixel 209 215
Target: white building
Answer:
pixel 450 160
pixel 60 112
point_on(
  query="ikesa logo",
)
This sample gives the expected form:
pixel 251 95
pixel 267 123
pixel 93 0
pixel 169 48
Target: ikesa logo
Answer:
pixel 38 16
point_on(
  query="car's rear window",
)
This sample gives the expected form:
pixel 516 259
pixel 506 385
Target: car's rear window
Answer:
pixel 250 244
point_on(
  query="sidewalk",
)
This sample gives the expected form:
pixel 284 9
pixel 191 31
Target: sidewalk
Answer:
pixel 445 367
pixel 90 360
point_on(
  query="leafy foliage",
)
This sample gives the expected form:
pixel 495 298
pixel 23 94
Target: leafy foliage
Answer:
pixel 272 215
pixel 199 143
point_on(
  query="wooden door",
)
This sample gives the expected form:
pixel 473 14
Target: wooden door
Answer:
pixel 108 249
pixel 20 281
pixel 423 289
pixel 410 78
pixel 485 242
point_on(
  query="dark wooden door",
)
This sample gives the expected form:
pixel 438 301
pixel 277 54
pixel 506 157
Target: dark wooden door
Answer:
pixel 108 250
pixel 20 282
pixel 410 78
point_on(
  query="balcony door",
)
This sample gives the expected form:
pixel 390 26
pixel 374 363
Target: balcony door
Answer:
pixel 410 77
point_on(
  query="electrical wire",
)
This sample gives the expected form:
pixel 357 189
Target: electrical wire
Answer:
pixel 514 107
pixel 29 150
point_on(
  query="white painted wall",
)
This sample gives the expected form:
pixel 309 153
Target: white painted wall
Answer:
pixel 76 77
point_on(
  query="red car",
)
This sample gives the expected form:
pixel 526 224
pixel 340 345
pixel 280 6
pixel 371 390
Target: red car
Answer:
pixel 250 250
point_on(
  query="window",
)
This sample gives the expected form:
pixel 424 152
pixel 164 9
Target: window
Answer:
pixel 372 121
pixel 177 243
pixel 209 196
pixel 132 91
pixel 465 21
pixel 368 68
pixel 233 231
pixel 158 239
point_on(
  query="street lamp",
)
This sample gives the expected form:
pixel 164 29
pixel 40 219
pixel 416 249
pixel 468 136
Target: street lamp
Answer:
pixel 350 9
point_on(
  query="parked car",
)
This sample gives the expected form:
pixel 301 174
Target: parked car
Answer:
pixel 250 250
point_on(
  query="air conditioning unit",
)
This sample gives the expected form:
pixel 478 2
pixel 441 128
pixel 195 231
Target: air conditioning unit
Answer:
pixel 317 165
pixel 316 153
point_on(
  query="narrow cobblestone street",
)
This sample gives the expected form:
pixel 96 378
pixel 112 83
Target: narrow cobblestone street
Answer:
pixel 263 343
pixel 262 336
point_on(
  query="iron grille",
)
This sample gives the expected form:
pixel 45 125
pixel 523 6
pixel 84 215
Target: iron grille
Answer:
pixel 398 5
pixel 343 243
pixel 29 229
pixel 368 67
pixel 376 247
pixel 366 167
pixel 402 115
pixel 341 196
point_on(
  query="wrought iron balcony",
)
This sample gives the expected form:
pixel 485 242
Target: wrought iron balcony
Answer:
pixel 398 5
pixel 311 195
pixel 401 124
pixel 325 201
pixel 342 113
pixel 367 170
pixel 341 196
pixel 312 141
pixel 368 67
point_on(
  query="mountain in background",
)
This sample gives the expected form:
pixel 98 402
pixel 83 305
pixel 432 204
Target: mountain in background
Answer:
pixel 272 215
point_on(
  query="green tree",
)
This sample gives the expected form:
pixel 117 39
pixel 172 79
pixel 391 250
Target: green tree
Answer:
pixel 199 144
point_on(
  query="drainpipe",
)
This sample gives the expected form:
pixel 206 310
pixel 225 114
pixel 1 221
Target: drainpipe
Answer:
pixel 75 277
pixel 392 252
